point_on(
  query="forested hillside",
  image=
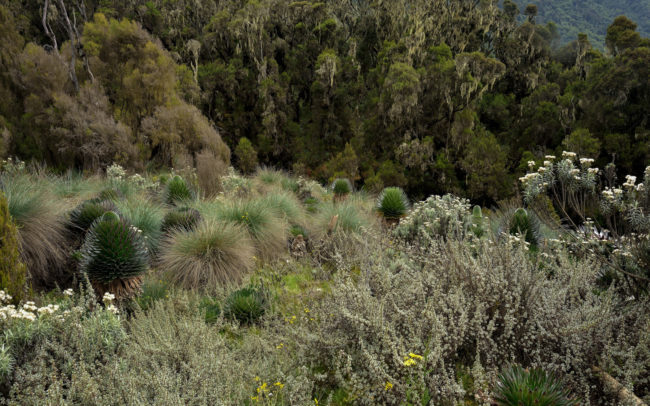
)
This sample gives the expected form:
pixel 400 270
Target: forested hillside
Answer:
pixel 434 96
pixel 591 17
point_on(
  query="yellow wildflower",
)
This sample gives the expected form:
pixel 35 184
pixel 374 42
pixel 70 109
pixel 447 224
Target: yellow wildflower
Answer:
pixel 257 379
pixel 409 362
pixel 415 356
pixel 388 386
pixel 279 346
pixel 255 398
pixel 262 388
pixel 279 385
pixel 316 401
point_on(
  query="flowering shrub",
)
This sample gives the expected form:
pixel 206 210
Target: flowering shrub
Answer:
pixel 444 217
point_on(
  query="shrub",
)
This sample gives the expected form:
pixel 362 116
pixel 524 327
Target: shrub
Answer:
pixel 85 214
pixel 153 290
pixel 446 217
pixel 209 171
pixel 246 156
pixel 341 187
pixel 114 255
pixel 519 387
pixel 259 217
pixel 12 270
pixel 246 305
pixel 177 191
pixel 41 231
pixel 392 203
pixel 185 218
pixel 211 309
pixel 211 255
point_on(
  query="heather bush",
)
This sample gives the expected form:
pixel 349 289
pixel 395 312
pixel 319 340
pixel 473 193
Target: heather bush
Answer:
pixel 210 256
pixel 484 308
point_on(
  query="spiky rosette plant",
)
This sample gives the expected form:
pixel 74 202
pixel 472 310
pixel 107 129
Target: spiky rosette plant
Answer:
pixel 177 190
pixel 246 305
pixel 114 255
pixel 185 218
pixel 526 223
pixel 341 187
pixel 519 387
pixel 392 203
pixel 85 214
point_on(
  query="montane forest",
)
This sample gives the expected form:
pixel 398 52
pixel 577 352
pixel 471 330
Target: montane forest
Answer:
pixel 337 202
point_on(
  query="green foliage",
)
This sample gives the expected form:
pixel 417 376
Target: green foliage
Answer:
pixel 153 290
pixel 525 223
pixel 85 214
pixel 113 249
pixel 246 305
pixel 246 156
pixel 185 218
pixel 350 218
pixel 479 226
pixel 520 387
pixel 341 187
pixel 211 308
pixel 12 271
pixel 392 203
pixel 212 255
pixel 177 191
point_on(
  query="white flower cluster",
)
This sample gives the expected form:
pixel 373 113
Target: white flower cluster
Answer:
pixel 569 155
pixel 115 172
pixel 28 311
pixel 68 292
pixel 5 297
pixel 586 162
pixel 630 182
pixel 437 216
pixel 10 165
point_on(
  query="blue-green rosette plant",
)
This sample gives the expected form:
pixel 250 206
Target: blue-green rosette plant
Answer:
pixel 177 190
pixel 114 256
pixel 520 387
pixel 341 187
pixel 392 203
pixel 85 214
pixel 246 305
pixel 185 218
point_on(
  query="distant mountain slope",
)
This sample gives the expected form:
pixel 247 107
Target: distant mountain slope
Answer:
pixel 590 16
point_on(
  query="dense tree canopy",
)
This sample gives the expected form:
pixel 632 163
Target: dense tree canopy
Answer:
pixel 431 95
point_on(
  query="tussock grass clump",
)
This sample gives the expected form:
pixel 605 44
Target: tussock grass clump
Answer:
pixel 41 231
pixel 267 230
pixel 286 206
pixel 519 387
pixel 145 216
pixel 392 203
pixel 211 255
pixel 345 217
